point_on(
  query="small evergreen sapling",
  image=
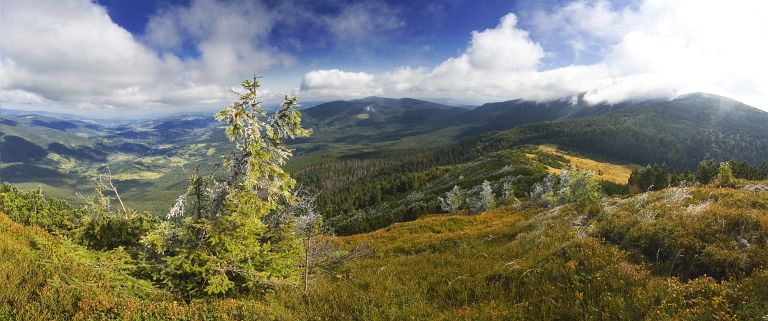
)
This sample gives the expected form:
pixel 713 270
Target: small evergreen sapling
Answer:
pixel 725 175
pixel 230 242
pixel 454 201
pixel 508 195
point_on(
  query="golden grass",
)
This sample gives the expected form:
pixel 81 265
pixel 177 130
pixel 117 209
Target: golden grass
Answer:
pixel 138 175
pixel 432 230
pixel 47 278
pixel 617 173
pixel 508 265
pixel 505 264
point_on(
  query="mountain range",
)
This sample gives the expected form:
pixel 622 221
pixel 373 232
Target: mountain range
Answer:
pixel 150 158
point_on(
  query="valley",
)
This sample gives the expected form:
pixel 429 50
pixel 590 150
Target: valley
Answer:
pixel 150 159
pixel 561 233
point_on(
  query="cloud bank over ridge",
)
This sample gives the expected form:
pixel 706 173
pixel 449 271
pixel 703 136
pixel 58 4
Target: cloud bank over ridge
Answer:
pixel 70 55
pixel 650 49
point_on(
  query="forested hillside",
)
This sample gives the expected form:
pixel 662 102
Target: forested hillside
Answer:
pixel 682 253
pixel 508 222
pixel 680 132
pixel 397 143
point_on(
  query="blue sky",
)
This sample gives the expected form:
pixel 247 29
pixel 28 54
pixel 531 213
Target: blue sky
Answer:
pixel 140 56
pixel 424 32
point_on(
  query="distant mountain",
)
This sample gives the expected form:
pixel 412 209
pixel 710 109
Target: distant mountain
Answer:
pixel 374 119
pixel 680 132
pixel 152 156
pixel 377 111
pixel 510 114
pixel 5 112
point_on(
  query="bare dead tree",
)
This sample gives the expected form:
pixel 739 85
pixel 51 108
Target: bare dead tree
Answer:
pixel 113 188
pixel 320 251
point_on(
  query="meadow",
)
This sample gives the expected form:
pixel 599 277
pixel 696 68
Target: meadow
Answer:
pixel 666 255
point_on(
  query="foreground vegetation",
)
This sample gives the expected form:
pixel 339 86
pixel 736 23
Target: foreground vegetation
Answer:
pixel 682 253
pixel 531 232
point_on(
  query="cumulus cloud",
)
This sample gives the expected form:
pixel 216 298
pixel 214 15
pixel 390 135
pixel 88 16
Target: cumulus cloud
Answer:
pixel 60 54
pixel 71 54
pixel 497 59
pixel 229 36
pixel 61 59
pixel 650 49
pixel 335 83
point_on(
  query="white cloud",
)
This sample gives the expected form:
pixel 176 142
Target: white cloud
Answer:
pixel 653 48
pixel 61 59
pixel 497 59
pixel 69 53
pixel 229 36
pixel 334 83
pixel 358 21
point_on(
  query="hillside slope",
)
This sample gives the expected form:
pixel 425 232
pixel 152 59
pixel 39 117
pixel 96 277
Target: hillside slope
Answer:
pixel 514 113
pixel 47 278
pixel 680 132
pixel 150 158
pixel 363 192
pixel 533 264
pixel 660 249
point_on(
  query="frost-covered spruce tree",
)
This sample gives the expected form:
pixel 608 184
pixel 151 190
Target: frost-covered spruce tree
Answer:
pixel 583 188
pixel 487 196
pixel 541 191
pixel 508 194
pixel 481 198
pixel 454 200
pixel 227 242
pixel 573 186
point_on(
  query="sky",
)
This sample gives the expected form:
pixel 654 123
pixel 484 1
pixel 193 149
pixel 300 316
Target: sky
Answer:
pixel 133 58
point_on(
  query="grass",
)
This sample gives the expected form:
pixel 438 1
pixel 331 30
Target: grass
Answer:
pixel 46 278
pixel 519 265
pixel 505 264
pixel 138 175
pixel 692 231
pixel 616 173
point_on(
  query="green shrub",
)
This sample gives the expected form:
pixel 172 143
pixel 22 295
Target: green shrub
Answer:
pixel 33 209
pixel 707 171
pixel 654 177
pixel 573 186
pixel 725 175
pixel 110 232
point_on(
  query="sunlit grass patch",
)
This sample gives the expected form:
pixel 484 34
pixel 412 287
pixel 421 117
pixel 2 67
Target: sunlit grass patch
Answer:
pixel 617 173
pixel 143 175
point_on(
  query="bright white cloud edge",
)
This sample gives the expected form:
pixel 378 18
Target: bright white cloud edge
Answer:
pixel 653 49
pixel 650 49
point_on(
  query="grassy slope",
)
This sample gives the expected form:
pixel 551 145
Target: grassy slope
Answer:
pixel 46 278
pixel 606 171
pixel 531 265
pixel 507 264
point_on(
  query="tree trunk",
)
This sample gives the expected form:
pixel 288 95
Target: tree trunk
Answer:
pixel 307 244
pixel 114 189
